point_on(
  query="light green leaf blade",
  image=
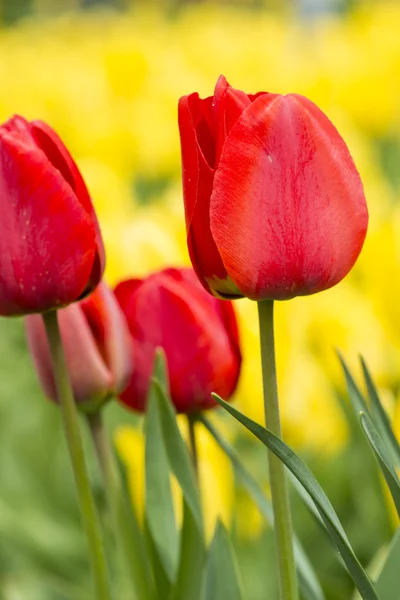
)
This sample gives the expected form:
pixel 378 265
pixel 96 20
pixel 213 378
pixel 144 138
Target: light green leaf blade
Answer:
pixel 130 537
pixel 221 575
pixel 384 458
pixel 161 581
pixel 387 584
pixel 192 556
pixel 307 479
pixel 159 506
pixel 192 548
pixel 178 456
pixel 380 417
pixel 357 399
pixel 308 582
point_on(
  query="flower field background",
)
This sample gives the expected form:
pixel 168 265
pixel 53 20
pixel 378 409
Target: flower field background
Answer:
pixel 108 81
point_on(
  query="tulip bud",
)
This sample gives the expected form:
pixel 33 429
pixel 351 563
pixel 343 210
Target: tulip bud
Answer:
pixel 97 346
pixel 274 204
pixel 198 333
pixel 51 251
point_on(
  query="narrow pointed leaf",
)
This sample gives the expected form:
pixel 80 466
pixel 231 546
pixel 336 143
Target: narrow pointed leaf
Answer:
pixel 192 556
pixel 308 582
pixel 387 584
pixel 355 395
pixel 384 458
pixel 178 455
pixel 161 581
pixel 159 505
pixel 131 538
pixel 192 549
pixel 380 417
pixel 307 479
pixel 221 575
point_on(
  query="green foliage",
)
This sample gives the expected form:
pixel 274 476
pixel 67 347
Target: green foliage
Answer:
pixel 388 580
pixel 221 578
pixel 309 584
pixel 42 548
pixel 323 505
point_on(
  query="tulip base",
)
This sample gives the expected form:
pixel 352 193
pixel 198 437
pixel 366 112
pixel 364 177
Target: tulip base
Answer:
pixel 278 480
pixel 75 447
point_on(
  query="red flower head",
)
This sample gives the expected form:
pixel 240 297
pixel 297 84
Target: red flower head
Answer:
pixel 274 204
pixel 51 252
pixel 97 345
pixel 198 333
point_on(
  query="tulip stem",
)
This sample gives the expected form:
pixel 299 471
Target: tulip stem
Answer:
pixel 102 447
pixel 277 475
pixel 125 528
pixel 74 442
pixel 193 444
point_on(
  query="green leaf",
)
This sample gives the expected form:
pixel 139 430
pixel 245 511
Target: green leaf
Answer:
pixel 159 507
pixel 384 459
pixel 355 395
pixel 221 575
pixel 387 584
pixel 178 455
pixel 309 584
pixel 192 555
pixel 380 417
pixel 130 537
pixel 162 583
pixel 192 549
pixel 307 479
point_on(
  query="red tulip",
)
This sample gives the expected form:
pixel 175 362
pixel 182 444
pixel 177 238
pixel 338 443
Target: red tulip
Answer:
pixel 198 333
pixel 51 252
pixel 274 204
pixel 97 345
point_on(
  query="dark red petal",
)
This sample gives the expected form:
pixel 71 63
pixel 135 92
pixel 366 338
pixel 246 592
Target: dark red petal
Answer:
pixel 288 212
pixel 253 97
pixel 48 241
pixel 229 321
pixel 125 290
pixel 230 106
pixel 176 315
pixel 197 187
pixel 48 141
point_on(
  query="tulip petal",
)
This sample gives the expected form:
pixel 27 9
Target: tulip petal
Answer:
pixel 171 310
pixel 91 379
pixel 48 243
pixel 110 332
pixel 228 105
pixel 222 308
pixel 197 187
pixel 288 212
pixel 61 159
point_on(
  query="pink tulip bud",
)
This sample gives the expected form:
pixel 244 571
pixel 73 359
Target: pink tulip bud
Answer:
pixel 97 345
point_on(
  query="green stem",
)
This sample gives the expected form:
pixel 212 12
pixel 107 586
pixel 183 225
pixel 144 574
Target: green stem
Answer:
pixel 126 530
pixel 75 447
pixel 193 444
pixel 278 481
pixel 102 448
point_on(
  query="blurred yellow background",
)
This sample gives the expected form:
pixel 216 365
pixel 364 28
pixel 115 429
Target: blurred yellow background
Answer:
pixel 108 82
